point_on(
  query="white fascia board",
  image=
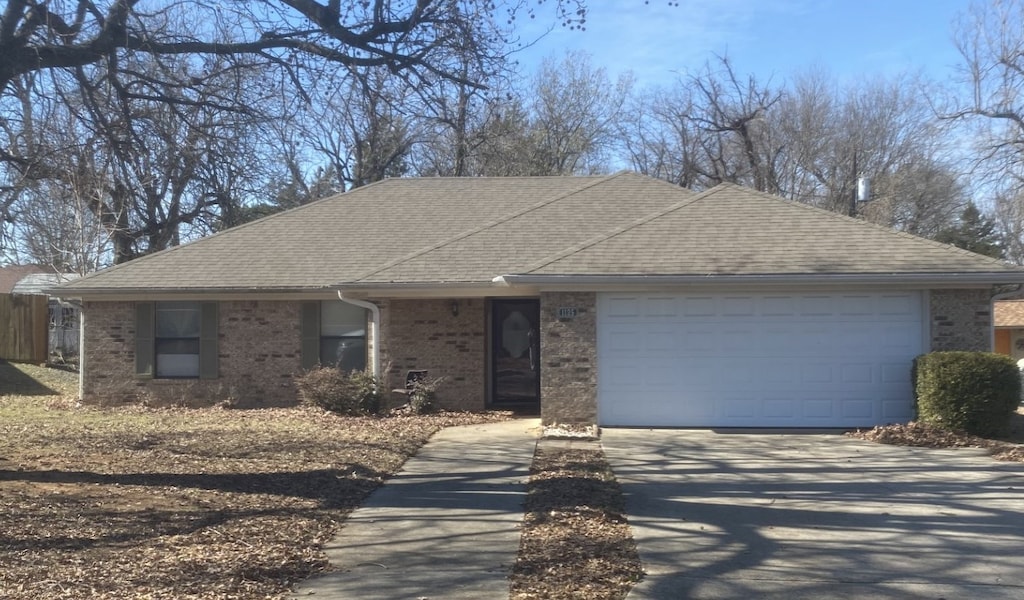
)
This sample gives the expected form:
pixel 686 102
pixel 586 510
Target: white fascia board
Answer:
pixel 374 290
pixel 632 282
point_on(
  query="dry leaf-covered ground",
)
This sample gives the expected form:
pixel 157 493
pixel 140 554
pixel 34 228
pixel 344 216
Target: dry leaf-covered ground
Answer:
pixel 1010 448
pixel 175 503
pixel 576 543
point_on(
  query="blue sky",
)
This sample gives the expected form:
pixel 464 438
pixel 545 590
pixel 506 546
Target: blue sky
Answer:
pixel 852 39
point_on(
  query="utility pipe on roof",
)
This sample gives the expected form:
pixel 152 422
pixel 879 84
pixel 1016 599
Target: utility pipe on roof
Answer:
pixel 375 328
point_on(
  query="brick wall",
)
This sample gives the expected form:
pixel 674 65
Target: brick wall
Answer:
pixel 568 350
pixel 259 352
pixel 424 334
pixel 961 319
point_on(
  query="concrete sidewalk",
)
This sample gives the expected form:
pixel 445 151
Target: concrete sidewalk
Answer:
pixel 447 526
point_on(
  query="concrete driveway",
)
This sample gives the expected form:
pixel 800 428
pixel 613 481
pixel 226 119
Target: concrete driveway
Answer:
pixel 771 515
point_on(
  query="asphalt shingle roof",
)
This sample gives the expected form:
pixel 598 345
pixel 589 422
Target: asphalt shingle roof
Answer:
pixel 469 230
pixel 732 230
pixel 10 276
pixel 1008 313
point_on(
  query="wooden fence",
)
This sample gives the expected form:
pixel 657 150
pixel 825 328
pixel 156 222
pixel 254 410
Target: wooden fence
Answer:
pixel 24 321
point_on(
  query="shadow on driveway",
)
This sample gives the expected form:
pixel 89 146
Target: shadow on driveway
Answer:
pixel 811 516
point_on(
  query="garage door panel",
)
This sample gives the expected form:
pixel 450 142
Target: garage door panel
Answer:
pixel 818 408
pixel 780 408
pixel 777 371
pixel 623 307
pixel 894 373
pixel 895 410
pixel 817 306
pixel 738 306
pixel 816 360
pixel 661 306
pixel 856 305
pixel 817 373
pixel 659 341
pixel 900 338
pixel 699 306
pixel 663 373
pixel 908 304
pixel 697 341
pixel 858 408
pixel 735 341
pixel 621 376
pixel 778 306
pixel 854 373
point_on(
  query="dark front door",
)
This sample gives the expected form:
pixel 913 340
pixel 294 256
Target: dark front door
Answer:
pixel 515 353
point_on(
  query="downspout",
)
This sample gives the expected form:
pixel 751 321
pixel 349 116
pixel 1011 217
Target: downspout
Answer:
pixel 1005 295
pixel 374 327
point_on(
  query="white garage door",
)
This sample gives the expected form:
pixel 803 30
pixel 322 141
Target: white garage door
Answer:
pixel 757 360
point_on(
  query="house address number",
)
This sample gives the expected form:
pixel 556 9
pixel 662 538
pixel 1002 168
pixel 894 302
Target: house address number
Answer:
pixel 567 312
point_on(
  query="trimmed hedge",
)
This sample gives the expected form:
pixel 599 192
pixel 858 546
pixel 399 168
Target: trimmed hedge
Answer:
pixel 975 392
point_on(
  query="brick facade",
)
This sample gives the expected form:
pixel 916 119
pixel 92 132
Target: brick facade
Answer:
pixel 424 334
pixel 961 319
pixel 258 349
pixel 568 350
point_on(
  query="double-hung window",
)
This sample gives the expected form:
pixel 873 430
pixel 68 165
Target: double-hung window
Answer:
pixel 334 334
pixel 176 340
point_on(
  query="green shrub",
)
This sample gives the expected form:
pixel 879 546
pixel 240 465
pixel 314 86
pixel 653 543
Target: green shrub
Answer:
pixel 355 393
pixel 975 392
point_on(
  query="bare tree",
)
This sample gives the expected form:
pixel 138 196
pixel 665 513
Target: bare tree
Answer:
pixel 1009 216
pixel 569 126
pixel 658 136
pixel 574 115
pixel 150 170
pixel 709 127
pixel 990 40
pixel 416 38
pixel 138 65
pixel 730 115
pixel 879 129
pixel 358 130
pixel 809 140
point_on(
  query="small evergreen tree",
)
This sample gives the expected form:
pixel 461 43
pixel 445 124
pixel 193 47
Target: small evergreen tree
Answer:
pixel 975 232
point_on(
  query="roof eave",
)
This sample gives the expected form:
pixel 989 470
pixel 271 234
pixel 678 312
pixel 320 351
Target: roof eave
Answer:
pixel 616 282
pixel 448 289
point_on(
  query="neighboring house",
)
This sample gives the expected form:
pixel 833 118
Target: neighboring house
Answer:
pixel 10 276
pixel 63 318
pixel 621 300
pixel 1009 327
pixel 23 316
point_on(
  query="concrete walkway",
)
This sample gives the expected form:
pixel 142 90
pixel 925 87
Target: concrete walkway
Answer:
pixel 447 526
pixel 797 516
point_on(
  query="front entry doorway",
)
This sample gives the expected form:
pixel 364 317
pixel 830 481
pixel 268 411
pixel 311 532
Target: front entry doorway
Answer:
pixel 515 354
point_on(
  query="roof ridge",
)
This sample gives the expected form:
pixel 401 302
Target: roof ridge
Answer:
pixel 489 224
pixel 619 230
pixel 864 222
